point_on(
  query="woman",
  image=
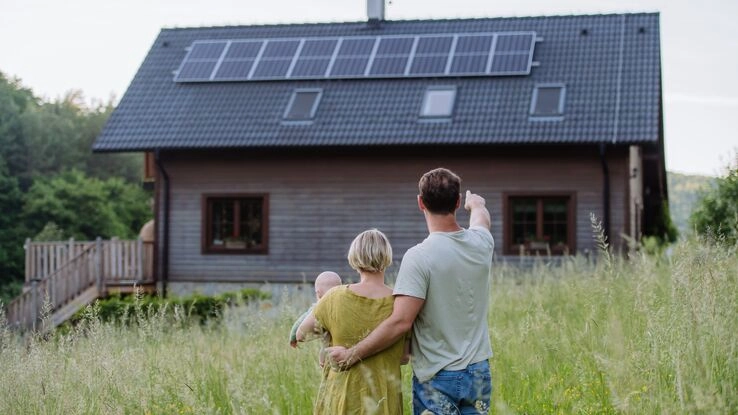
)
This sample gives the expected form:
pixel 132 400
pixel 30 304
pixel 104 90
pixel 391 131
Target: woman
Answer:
pixel 349 313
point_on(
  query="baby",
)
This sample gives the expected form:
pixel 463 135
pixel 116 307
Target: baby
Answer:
pixel 324 282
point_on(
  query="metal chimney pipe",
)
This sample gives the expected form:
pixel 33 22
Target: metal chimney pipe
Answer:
pixel 375 11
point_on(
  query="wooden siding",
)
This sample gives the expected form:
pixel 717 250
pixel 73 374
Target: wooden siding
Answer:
pixel 318 203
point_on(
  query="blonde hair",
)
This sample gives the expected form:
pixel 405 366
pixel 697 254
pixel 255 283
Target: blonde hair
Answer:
pixel 370 251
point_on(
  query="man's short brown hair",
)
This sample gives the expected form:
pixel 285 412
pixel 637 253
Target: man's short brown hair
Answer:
pixel 439 191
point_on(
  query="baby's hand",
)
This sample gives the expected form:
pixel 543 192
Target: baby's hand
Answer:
pixel 293 344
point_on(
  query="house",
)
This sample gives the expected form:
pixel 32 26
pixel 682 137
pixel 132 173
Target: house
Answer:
pixel 273 146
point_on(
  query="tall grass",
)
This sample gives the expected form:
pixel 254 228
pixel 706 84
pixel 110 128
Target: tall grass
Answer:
pixel 644 335
pixel 647 335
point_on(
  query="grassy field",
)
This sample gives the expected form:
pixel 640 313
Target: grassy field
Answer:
pixel 644 336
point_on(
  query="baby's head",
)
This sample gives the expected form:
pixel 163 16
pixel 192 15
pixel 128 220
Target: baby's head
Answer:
pixel 325 281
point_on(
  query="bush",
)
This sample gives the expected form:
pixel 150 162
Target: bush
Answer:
pixel 197 307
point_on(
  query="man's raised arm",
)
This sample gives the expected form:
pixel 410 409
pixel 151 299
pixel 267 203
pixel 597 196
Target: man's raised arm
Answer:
pixel 479 215
pixel 406 308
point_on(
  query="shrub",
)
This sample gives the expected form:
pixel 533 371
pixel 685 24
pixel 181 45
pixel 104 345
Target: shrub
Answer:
pixel 196 307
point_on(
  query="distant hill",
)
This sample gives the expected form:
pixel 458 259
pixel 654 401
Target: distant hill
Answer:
pixel 685 191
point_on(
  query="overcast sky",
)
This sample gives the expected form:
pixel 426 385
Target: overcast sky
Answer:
pixel 96 46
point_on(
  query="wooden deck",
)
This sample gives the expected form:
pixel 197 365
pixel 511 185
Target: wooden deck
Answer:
pixel 63 277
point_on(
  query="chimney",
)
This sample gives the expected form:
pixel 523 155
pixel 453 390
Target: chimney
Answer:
pixel 375 11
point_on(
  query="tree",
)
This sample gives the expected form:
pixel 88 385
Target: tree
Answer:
pixel 14 102
pixel 85 208
pixel 717 212
pixel 11 231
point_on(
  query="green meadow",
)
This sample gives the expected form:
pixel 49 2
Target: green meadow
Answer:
pixel 637 335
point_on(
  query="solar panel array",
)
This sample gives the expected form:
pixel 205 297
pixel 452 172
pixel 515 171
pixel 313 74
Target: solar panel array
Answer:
pixel 462 54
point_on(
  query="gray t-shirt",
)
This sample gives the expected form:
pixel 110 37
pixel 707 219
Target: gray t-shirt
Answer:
pixel 451 272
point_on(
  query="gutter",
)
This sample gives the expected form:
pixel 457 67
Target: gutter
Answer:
pixel 165 223
pixel 605 192
pixel 603 146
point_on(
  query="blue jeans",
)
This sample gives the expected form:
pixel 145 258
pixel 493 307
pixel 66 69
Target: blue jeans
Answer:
pixel 465 391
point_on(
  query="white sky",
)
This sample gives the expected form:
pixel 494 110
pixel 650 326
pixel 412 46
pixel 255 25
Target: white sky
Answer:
pixel 96 46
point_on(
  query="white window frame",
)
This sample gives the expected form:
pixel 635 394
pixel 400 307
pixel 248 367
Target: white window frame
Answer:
pixel 533 116
pixel 313 110
pixel 450 88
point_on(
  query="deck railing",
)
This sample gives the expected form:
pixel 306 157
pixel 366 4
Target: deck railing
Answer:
pixel 59 272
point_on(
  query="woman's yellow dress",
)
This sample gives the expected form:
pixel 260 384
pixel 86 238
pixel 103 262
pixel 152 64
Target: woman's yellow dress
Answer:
pixel 372 386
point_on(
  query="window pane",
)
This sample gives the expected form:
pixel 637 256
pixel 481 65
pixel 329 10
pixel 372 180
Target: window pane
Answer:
pixel 555 221
pixel 547 101
pixel 221 222
pixel 523 220
pixel 251 222
pixel 303 103
pixel 438 103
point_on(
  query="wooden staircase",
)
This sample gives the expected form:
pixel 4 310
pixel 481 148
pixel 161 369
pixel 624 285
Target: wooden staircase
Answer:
pixel 63 277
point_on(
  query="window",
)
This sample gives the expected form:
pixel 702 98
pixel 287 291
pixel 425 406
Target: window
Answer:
pixel 438 102
pixel 539 224
pixel 548 101
pixel 303 105
pixel 235 224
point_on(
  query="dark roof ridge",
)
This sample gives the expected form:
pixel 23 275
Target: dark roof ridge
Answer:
pixel 440 20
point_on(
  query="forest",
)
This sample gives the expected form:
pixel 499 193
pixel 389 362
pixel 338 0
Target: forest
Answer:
pixel 52 187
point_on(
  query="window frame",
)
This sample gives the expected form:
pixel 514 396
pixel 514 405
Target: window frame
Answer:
pixel 454 92
pixel 533 116
pixel 206 224
pixel 285 117
pixel 509 248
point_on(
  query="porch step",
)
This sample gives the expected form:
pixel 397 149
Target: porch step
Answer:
pixel 83 299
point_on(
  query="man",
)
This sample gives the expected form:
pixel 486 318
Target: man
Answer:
pixel 442 293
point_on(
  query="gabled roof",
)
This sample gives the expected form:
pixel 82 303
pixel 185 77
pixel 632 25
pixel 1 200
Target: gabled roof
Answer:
pixel 610 65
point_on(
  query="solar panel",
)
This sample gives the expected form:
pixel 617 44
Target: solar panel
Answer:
pixel 207 50
pixel 389 65
pixel 310 68
pixel 436 55
pixel 513 54
pixel 345 67
pixel 319 47
pixel 395 45
pixel 513 43
pixel 234 70
pixel 356 47
pixel 280 48
pixel 240 50
pixel 434 45
pixel 473 44
pixel 197 70
pixel 469 64
pixel 509 63
pixel 271 69
pixel 428 65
